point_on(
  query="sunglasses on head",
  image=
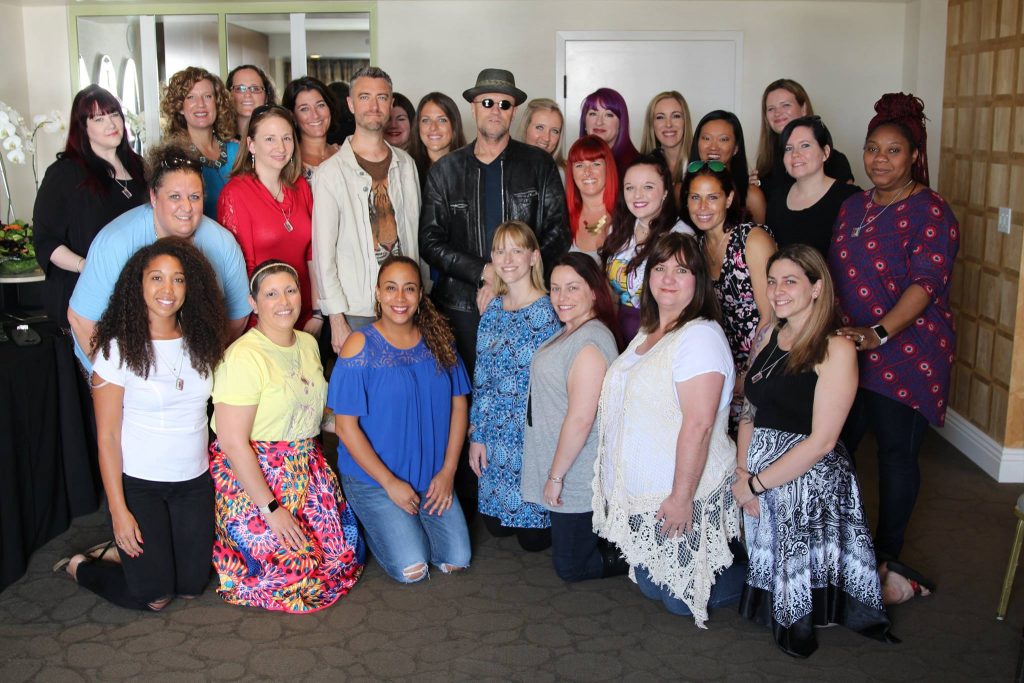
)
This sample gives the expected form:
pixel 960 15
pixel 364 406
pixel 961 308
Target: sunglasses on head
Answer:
pixel 175 163
pixel 503 105
pixel 714 165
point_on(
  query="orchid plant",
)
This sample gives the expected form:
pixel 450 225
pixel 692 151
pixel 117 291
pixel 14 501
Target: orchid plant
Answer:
pixel 18 143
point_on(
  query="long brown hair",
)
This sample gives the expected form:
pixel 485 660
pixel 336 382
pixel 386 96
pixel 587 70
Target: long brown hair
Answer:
pixel 810 346
pixel 245 163
pixel 178 88
pixel 587 268
pixel 432 325
pixel 768 145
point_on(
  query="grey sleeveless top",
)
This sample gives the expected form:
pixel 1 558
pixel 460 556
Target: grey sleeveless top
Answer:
pixel 546 409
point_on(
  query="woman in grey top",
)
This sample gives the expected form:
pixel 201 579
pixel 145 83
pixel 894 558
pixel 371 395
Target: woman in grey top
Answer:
pixel 561 429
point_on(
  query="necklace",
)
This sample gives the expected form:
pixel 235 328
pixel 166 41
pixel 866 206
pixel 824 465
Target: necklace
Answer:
pixel 221 159
pixel 868 221
pixel 286 215
pixel 766 371
pixel 596 227
pixel 175 369
pixel 123 184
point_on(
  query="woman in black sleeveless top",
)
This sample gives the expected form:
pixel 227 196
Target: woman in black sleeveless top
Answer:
pixel 812 562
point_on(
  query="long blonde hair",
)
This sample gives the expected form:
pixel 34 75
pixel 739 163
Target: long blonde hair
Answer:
pixel 649 142
pixel 544 104
pixel 768 145
pixel 521 235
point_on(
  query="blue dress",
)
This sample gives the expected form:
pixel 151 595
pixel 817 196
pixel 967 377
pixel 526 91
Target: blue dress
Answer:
pixel 505 344
pixel 403 400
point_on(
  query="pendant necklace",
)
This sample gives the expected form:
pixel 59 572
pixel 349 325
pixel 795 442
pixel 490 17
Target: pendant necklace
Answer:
pixel 596 227
pixel 123 184
pixel 766 371
pixel 868 221
pixel 286 215
pixel 175 370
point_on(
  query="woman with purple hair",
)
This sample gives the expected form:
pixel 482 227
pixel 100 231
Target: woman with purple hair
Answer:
pixel 604 114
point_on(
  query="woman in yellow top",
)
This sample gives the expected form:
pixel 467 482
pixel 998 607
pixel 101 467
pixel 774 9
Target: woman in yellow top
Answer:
pixel 286 539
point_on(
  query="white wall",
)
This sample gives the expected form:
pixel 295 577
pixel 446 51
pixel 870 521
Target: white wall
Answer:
pixel 14 92
pixel 846 52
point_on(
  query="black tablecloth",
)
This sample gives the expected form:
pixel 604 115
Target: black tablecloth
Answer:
pixel 48 464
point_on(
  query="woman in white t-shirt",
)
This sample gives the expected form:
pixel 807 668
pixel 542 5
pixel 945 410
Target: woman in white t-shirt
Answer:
pixel 158 342
pixel 665 462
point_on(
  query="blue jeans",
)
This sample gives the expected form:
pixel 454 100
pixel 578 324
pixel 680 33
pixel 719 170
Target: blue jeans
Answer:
pixel 574 547
pixel 899 432
pixel 402 542
pixel 727 589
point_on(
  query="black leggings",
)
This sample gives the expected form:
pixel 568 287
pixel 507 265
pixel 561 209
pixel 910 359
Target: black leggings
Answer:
pixel 530 540
pixel 177 524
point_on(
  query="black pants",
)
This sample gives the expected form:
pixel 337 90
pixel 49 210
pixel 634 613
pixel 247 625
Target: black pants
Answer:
pixel 530 540
pixel 575 548
pixel 464 326
pixel 177 524
pixel 899 431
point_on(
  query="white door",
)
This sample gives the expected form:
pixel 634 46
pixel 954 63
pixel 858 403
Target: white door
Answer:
pixel 640 64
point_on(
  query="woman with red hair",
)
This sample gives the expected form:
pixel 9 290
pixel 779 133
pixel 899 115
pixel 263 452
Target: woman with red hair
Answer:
pixel 892 256
pixel 592 193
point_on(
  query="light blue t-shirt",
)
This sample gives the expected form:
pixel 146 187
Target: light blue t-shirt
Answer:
pixel 134 229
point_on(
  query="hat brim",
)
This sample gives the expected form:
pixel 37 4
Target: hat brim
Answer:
pixel 515 93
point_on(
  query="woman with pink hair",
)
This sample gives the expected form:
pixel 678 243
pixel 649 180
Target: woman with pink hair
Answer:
pixel 605 115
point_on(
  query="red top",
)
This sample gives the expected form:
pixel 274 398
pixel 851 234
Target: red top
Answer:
pixel 257 221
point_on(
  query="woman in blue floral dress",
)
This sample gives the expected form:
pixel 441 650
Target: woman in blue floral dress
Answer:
pixel 515 323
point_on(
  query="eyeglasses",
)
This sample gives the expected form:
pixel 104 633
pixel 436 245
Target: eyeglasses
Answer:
pixel 174 163
pixel 715 165
pixel 254 89
pixel 503 105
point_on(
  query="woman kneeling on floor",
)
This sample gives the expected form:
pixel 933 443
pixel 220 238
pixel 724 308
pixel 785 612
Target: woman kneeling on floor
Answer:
pixel 398 392
pixel 286 539
pixel 812 562
pixel 665 462
pixel 158 342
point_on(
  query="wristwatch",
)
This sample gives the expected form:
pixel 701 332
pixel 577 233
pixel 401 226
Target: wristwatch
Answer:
pixel 883 336
pixel 269 507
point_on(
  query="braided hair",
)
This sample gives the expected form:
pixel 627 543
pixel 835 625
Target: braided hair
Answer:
pixel 906 112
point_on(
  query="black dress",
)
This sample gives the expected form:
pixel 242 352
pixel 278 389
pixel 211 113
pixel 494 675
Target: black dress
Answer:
pixel 813 225
pixel 836 166
pixel 69 213
pixel 812 562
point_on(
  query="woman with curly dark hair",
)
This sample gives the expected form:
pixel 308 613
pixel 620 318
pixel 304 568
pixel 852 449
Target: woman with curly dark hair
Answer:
pixel 286 539
pixel 313 106
pixel 158 342
pixel 197 110
pixel 399 395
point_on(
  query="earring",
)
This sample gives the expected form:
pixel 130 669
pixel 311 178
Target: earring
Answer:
pixel 252 158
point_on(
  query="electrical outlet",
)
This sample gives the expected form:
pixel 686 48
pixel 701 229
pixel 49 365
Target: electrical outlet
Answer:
pixel 1004 220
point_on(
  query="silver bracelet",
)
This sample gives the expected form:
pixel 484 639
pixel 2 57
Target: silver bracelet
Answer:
pixel 557 480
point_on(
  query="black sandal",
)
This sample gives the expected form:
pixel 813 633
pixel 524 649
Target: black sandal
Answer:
pixel 917 579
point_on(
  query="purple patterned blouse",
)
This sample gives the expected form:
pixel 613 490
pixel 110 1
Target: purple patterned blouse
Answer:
pixel 913 242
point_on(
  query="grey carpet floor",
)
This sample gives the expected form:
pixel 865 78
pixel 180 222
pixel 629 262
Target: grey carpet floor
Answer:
pixel 510 618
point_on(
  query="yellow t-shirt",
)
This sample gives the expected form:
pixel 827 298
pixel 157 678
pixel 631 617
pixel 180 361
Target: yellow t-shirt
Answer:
pixel 286 383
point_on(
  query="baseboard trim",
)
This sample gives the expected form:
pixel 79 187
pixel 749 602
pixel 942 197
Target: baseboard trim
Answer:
pixel 1005 465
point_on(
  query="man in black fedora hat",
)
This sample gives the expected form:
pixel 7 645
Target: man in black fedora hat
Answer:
pixel 469 193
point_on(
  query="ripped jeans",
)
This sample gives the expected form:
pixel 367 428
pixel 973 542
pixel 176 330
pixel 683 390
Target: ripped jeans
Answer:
pixel 402 543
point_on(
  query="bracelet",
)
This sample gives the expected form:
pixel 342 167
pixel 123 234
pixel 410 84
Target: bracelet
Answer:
pixel 557 480
pixel 763 487
pixel 81 260
pixel 750 484
pixel 317 316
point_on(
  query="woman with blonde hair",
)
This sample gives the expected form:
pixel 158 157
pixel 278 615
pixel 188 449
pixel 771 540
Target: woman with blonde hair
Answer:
pixel 542 127
pixel 668 130
pixel 515 323
pixel 197 109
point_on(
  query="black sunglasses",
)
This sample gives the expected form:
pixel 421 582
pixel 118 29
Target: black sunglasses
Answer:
pixel 503 105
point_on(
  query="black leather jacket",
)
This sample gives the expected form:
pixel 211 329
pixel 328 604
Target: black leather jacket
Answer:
pixel 452 237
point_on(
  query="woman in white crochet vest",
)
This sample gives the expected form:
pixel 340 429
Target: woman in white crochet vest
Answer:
pixel 665 462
